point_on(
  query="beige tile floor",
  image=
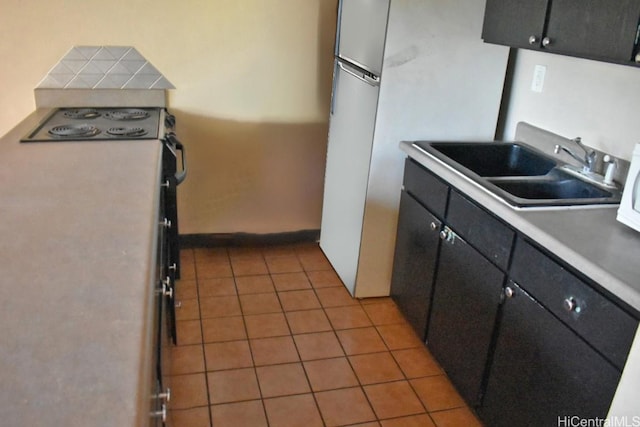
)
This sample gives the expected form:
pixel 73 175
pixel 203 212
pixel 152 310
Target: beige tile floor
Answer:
pixel 268 336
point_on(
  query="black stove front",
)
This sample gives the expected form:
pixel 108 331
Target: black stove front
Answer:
pixel 97 124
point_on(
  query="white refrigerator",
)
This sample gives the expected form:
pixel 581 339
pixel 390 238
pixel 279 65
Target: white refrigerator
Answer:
pixel 404 70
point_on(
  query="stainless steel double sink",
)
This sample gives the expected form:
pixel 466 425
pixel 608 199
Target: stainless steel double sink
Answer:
pixel 520 174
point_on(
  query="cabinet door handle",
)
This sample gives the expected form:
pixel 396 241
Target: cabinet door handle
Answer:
pixel 533 40
pixel 570 304
pixel 546 41
pixel 509 292
pixel 433 226
pixel 448 235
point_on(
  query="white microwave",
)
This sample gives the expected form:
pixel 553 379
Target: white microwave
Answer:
pixel 629 210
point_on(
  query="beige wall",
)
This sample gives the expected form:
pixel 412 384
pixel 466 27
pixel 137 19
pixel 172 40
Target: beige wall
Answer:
pixel 253 81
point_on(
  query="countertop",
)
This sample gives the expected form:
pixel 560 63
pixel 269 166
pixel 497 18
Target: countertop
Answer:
pixel 78 233
pixel 589 239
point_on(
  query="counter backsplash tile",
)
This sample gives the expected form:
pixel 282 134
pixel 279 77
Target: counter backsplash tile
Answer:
pixel 104 67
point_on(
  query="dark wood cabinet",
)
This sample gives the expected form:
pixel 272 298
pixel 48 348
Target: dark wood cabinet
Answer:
pixel 550 344
pixel 426 188
pixel 598 29
pixel 489 235
pixel 514 22
pixel 590 314
pixel 414 264
pixel 595 29
pixel 542 371
pixel 465 304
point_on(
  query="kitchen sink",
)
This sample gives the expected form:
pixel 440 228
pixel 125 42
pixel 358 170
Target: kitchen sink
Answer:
pixel 561 189
pixel 497 159
pixel 519 174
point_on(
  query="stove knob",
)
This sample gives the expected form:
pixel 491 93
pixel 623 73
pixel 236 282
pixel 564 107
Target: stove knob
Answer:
pixel 166 396
pixel 162 413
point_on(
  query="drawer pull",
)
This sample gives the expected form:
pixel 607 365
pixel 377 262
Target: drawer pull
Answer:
pixel 570 304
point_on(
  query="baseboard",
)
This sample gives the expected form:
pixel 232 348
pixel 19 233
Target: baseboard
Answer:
pixel 247 239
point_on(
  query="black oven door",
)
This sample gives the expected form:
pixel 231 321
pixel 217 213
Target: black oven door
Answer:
pixel 173 149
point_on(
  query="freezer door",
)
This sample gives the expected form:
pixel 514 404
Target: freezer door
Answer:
pixel 348 153
pixel 362 28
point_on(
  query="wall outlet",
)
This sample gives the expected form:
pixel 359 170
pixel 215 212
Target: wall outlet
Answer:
pixel 538 78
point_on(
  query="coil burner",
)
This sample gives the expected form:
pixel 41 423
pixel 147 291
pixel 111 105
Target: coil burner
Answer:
pixel 126 114
pixel 126 132
pixel 98 124
pixel 74 131
pixel 81 113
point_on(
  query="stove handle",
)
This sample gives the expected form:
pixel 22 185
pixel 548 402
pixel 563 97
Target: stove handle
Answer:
pixel 183 155
pixel 180 176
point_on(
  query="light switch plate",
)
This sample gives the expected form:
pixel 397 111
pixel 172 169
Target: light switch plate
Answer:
pixel 537 83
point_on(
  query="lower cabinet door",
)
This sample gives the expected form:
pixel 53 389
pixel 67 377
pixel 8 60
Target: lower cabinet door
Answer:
pixel 414 262
pixel 466 298
pixel 542 373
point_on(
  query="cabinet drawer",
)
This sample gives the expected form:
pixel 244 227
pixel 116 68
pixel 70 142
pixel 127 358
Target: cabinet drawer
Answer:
pixel 590 314
pixel 425 187
pixel 482 230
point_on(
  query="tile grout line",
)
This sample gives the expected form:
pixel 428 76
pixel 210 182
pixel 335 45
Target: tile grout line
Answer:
pixel 306 375
pixel 204 354
pixel 253 362
pixel 197 298
pixel 323 309
pixel 346 356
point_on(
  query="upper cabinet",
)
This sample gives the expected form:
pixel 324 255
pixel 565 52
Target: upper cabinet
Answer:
pixel 595 29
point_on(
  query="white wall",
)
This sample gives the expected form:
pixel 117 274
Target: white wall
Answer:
pixel 597 101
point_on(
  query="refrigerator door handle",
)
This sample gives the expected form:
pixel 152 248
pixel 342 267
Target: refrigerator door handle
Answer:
pixel 336 75
pixel 369 79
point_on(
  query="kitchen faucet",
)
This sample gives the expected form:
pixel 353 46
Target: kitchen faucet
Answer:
pixel 589 160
